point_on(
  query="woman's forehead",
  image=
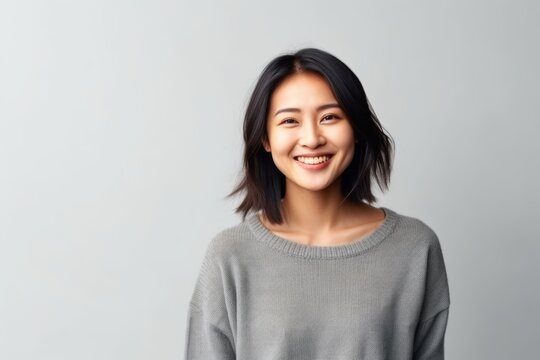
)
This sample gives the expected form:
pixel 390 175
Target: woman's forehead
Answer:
pixel 302 90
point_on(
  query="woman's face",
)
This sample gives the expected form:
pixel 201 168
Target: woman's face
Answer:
pixel 305 119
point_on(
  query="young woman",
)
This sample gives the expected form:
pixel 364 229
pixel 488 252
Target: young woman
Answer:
pixel 313 271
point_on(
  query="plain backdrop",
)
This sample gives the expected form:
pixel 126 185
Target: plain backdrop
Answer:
pixel 121 134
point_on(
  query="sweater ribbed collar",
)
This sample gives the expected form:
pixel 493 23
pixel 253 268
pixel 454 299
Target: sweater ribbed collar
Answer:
pixel 296 249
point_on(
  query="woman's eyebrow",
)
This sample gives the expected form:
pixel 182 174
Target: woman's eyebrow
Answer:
pixel 322 107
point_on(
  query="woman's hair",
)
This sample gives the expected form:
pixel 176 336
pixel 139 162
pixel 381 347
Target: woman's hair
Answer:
pixel 263 183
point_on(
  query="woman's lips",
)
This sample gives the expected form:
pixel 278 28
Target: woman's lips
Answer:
pixel 315 167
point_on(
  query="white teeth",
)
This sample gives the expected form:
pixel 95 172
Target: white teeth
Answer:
pixel 313 160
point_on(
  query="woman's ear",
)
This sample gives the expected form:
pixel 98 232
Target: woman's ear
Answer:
pixel 265 145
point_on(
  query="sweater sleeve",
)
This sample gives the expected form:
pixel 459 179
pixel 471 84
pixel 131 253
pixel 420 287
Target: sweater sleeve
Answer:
pixel 429 337
pixel 205 341
pixel 431 327
pixel 209 333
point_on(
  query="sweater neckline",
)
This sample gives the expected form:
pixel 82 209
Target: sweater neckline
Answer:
pixel 292 248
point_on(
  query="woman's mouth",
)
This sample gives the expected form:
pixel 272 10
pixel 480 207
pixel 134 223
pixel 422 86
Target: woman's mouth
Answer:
pixel 314 163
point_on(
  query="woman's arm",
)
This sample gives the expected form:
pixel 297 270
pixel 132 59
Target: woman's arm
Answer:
pixel 429 337
pixel 206 341
pixel 209 334
pixel 431 327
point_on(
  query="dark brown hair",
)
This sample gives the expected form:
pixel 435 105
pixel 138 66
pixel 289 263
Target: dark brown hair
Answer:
pixel 263 183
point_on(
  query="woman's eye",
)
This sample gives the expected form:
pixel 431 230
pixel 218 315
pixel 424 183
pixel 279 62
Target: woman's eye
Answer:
pixel 331 116
pixel 326 117
pixel 285 121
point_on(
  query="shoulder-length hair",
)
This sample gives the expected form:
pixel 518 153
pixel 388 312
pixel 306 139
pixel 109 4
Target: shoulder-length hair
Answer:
pixel 263 183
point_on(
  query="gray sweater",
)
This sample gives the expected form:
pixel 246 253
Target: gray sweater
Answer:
pixel 259 296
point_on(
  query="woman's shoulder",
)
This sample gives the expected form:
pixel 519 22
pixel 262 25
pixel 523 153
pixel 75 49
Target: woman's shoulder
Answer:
pixel 230 240
pixel 413 236
pixel 416 228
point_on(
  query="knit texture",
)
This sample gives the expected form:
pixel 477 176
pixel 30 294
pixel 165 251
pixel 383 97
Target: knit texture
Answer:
pixel 258 296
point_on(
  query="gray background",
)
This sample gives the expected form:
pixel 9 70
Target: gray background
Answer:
pixel 120 136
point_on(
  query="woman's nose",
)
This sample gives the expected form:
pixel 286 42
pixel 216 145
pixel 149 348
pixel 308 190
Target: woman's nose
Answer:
pixel 311 136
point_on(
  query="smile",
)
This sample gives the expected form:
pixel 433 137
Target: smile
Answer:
pixel 313 160
pixel 314 163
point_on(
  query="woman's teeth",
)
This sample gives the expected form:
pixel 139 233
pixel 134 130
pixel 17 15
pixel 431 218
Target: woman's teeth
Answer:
pixel 313 160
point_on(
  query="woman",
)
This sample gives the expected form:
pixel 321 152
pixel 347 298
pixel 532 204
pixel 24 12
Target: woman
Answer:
pixel 313 271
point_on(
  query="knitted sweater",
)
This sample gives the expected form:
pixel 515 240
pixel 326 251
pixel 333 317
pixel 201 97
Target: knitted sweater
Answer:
pixel 258 296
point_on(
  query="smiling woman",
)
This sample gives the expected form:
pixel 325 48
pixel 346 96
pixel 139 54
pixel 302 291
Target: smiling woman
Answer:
pixel 313 270
pixel 319 139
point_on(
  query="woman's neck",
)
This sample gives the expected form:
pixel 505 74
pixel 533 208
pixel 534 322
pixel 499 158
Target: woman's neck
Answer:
pixel 322 212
